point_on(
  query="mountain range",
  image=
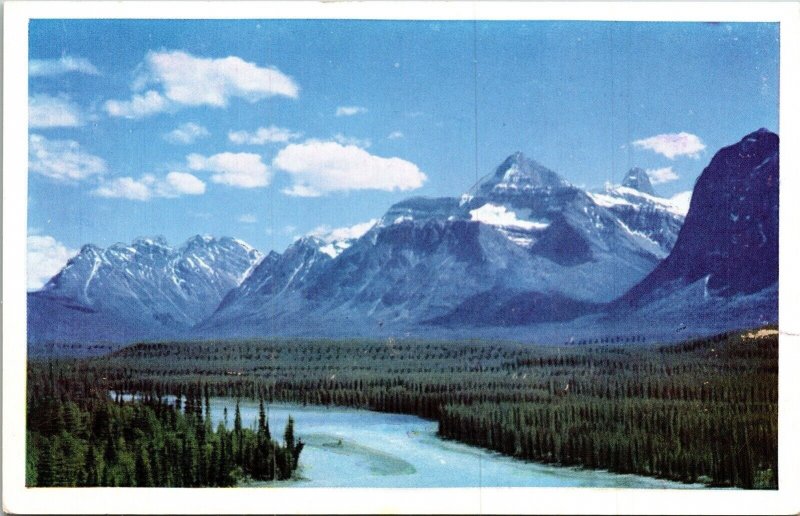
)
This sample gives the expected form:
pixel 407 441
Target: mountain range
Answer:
pixel 521 231
pixel 522 255
pixel 145 290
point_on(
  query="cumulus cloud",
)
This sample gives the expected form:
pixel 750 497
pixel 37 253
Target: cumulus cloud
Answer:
pixel 396 135
pixel 139 106
pixel 328 235
pixel 65 64
pixel 46 256
pixel 63 160
pixel 262 135
pixel 318 167
pixel 239 169
pixel 46 111
pixel 180 183
pixel 174 184
pixel 350 110
pixel 248 218
pixel 186 133
pixel 681 201
pixel 673 145
pixel 127 188
pixel 661 175
pixel 188 80
pixel 349 140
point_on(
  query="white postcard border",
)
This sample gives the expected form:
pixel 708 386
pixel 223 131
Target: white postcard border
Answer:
pixel 18 499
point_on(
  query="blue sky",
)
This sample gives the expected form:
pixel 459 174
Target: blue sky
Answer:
pixel 267 129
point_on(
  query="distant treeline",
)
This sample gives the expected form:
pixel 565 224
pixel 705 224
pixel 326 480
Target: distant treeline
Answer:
pixel 699 411
pixel 78 436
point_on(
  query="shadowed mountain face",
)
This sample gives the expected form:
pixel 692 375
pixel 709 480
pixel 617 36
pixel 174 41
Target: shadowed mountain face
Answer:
pixel 521 229
pixel 143 290
pixel 730 237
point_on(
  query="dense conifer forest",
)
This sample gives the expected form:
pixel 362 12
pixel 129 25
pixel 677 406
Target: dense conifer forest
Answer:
pixel 699 411
pixel 78 436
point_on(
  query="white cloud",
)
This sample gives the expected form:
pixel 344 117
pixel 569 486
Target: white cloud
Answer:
pixel 350 110
pixel 248 218
pixel 262 135
pixel 46 256
pixel 196 80
pixel 681 201
pixel 180 183
pixel 127 188
pixel 328 235
pixel 62 159
pixel 139 106
pixel 186 133
pixel 318 167
pixel 396 135
pixel 349 140
pixel 661 175
pixel 241 169
pixel 673 145
pixel 338 239
pixel 47 111
pixel 148 186
pixel 301 191
pixel 187 80
pixel 65 64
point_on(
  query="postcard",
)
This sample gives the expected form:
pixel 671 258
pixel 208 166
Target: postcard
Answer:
pixel 394 257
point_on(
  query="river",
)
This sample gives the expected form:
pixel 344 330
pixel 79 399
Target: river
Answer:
pixel 358 448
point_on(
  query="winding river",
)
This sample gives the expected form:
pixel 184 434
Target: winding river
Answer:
pixel 359 448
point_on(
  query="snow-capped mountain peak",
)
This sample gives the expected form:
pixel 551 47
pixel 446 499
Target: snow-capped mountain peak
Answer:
pixel 641 212
pixel 151 242
pixel 637 179
pixel 518 174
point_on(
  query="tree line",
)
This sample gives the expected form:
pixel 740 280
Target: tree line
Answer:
pixel 699 411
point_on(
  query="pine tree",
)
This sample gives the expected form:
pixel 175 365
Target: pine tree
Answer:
pixel 91 473
pixel 237 430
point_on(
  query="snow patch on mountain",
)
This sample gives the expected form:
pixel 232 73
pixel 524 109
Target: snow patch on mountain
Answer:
pixel 335 248
pixel 647 243
pixel 617 195
pixel 681 201
pixel 495 215
pixel 609 201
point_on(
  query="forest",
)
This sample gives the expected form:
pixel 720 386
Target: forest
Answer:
pixel 704 410
pixel 78 436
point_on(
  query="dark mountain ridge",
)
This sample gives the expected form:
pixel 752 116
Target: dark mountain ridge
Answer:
pixel 730 236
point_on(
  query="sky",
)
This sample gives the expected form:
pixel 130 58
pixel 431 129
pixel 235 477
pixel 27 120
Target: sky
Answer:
pixel 267 130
